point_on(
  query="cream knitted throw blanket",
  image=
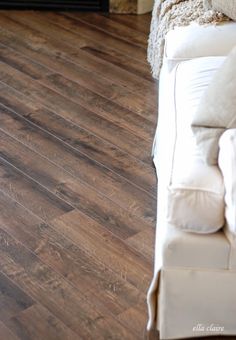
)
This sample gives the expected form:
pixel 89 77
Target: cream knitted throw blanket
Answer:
pixel 168 14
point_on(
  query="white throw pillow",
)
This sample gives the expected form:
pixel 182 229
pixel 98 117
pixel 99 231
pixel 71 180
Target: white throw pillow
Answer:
pixel 228 7
pixel 227 164
pixel 217 110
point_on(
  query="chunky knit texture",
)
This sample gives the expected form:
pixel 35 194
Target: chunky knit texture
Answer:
pixel 168 14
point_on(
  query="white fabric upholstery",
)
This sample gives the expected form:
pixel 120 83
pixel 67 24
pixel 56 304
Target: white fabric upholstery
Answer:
pixel 195 191
pixel 191 250
pixel 193 188
pixel 189 298
pixel 179 296
pixel 162 151
pixel 217 110
pixel 199 41
pixel 232 241
pixel 227 164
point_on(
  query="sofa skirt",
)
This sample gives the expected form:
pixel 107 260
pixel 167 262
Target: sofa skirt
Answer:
pixel 186 302
pixel 195 303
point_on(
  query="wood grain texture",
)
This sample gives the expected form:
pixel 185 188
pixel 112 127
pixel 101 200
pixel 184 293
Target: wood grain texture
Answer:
pixel 114 28
pixel 88 143
pixel 140 24
pixel 117 189
pixel 65 186
pixel 54 292
pixel 12 299
pixel 45 36
pixel 77 183
pixel 54 100
pixel 62 252
pixel 6 333
pixel 38 320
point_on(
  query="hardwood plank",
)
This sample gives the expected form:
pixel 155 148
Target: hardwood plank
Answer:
pixel 116 188
pixel 144 243
pixel 95 148
pixel 55 293
pixel 41 201
pixel 29 67
pixel 25 272
pixel 84 79
pixel 16 101
pixel 54 101
pixel 106 108
pixel 136 317
pixel 113 28
pixel 6 334
pixel 37 323
pixel 32 39
pixel 89 144
pixel 137 124
pixel 85 271
pixel 45 35
pixel 140 23
pixel 123 61
pixel 74 25
pixel 104 38
pixel 90 237
pixel 118 220
pixel 12 299
pixel 71 161
pixel 77 185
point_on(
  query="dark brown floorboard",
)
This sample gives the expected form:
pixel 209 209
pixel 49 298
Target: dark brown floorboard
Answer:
pixel 77 184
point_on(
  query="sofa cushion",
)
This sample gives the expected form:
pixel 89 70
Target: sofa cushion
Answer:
pixel 227 164
pixel 198 41
pixel 194 188
pixel 182 249
pixel 228 7
pixel 217 110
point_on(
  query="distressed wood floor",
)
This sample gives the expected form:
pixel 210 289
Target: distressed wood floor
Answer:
pixel 77 185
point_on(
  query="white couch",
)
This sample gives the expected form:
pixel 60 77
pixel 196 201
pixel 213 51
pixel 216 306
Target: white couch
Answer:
pixel 193 291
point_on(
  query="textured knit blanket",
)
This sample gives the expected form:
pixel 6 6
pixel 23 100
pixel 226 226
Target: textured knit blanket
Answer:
pixel 168 14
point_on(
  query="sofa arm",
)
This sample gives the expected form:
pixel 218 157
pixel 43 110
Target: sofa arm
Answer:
pixel 227 164
pixel 195 40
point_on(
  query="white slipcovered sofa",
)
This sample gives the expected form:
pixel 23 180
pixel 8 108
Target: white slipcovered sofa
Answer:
pixel 193 291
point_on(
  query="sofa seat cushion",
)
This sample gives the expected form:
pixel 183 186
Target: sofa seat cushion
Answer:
pixel 194 189
pixel 182 249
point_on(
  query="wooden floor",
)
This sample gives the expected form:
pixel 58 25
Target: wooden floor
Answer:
pixel 78 188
